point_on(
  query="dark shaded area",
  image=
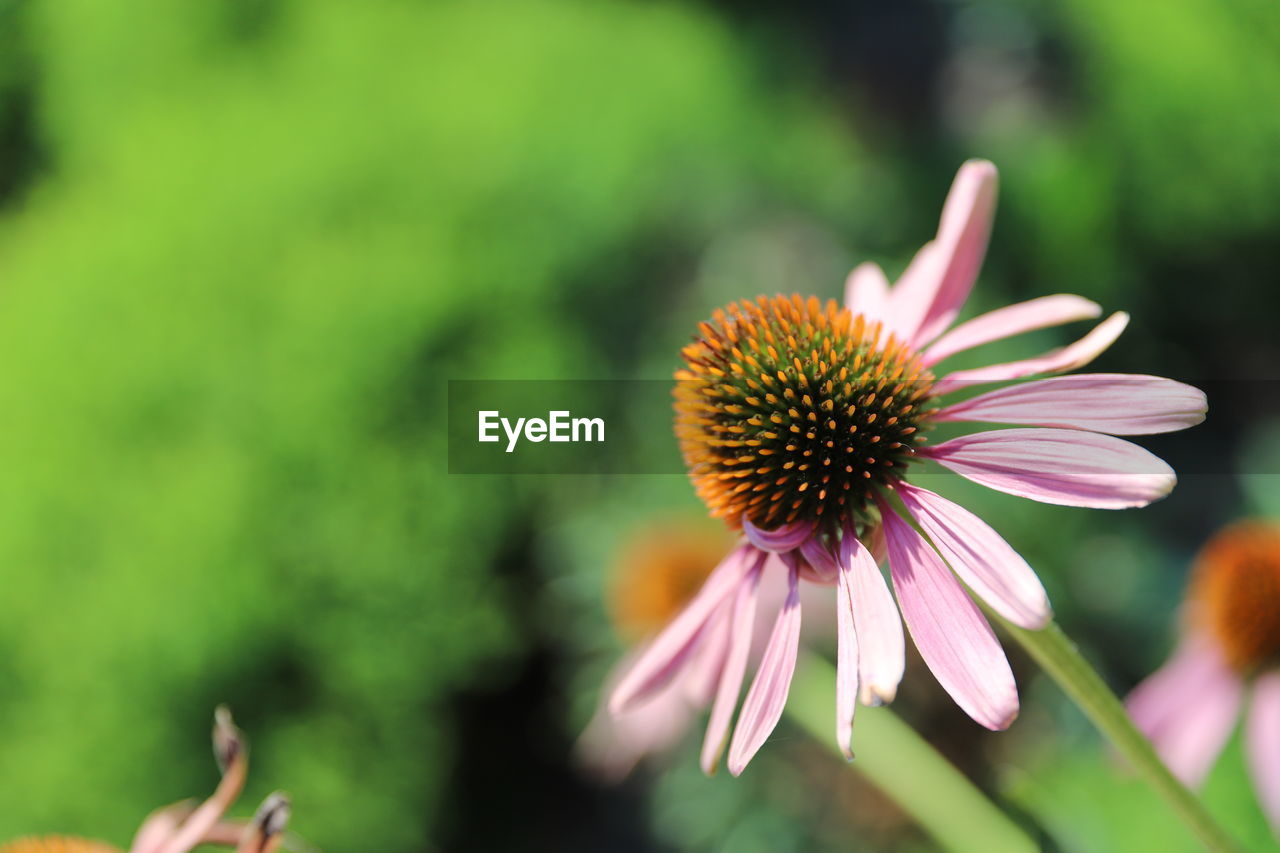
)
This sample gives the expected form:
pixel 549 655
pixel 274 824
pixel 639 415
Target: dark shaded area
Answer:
pixel 513 785
pixel 21 155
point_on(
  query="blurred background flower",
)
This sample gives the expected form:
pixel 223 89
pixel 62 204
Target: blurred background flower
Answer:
pixel 1225 667
pixel 244 244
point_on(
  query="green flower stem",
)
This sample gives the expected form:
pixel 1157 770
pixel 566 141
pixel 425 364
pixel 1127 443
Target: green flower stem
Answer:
pixel 893 757
pixel 1059 657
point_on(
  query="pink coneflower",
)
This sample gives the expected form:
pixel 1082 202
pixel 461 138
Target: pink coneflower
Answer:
pixel 183 827
pixel 797 421
pixel 1231 648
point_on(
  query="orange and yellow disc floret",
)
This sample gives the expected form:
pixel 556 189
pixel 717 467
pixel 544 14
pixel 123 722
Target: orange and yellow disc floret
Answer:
pixel 659 570
pixel 1235 594
pixel 792 410
pixel 55 844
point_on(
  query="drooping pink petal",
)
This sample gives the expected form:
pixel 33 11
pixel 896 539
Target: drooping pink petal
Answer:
pixel 1059 466
pixel 982 559
pixel 820 559
pixel 613 744
pixel 762 708
pixel 846 664
pixel 735 667
pixel 1262 738
pixel 866 291
pixel 784 538
pixel 1012 320
pixel 1070 357
pixel 1191 739
pixel 950 632
pixel 702 673
pixel 881 646
pixel 672 649
pixel 1158 699
pixel 935 286
pixel 1115 403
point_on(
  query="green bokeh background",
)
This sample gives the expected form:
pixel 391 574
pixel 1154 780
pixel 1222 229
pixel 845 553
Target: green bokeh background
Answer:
pixel 244 245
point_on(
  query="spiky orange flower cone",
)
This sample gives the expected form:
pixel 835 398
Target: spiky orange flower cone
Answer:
pixel 793 410
pixel 800 421
pixel 1230 650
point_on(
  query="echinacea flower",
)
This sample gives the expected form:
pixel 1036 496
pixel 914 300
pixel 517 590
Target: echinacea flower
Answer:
pixel 1229 656
pixel 183 827
pixel 798 421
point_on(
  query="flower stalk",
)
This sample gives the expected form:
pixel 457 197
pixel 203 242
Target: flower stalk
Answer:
pixel 1059 657
pixel 893 757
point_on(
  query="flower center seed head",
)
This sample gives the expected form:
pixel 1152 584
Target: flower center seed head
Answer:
pixel 1235 589
pixel 791 410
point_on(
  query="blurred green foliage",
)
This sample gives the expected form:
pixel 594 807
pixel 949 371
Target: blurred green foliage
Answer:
pixel 268 232
pixel 245 243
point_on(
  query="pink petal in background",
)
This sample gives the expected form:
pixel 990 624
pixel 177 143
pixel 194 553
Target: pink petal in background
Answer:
pixel 673 648
pixel 866 292
pixel 1262 740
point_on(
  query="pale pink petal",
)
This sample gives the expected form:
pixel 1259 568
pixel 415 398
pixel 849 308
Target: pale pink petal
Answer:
pixel 935 286
pixel 881 646
pixel 866 291
pixel 613 744
pixel 846 663
pixel 1070 357
pixel 735 667
pixel 911 294
pixel 820 559
pixel 1194 736
pixel 982 559
pixel 1188 707
pixel 785 538
pixel 1012 320
pixel 702 673
pixel 950 632
pixel 1262 736
pixel 1158 698
pixel 673 648
pixel 1115 403
pixel 1058 466
pixel 762 708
